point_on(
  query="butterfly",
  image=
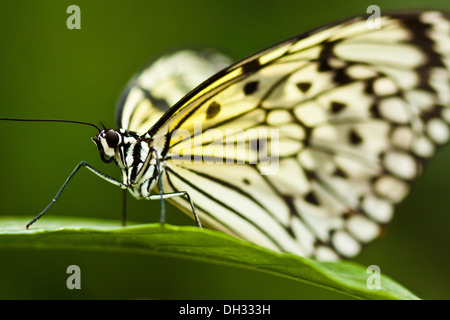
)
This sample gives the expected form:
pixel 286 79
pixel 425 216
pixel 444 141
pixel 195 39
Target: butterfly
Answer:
pixel 304 147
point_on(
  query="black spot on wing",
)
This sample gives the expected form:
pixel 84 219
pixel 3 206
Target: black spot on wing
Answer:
pixel 339 173
pixel 354 137
pixel 311 198
pixel 251 66
pixel 304 86
pixel 250 87
pixel 213 110
pixel 337 107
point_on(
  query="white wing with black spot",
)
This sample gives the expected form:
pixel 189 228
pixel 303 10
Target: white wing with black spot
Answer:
pixel 162 82
pixel 346 115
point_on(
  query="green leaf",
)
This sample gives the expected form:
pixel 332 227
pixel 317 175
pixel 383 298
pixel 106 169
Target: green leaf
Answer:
pixel 191 243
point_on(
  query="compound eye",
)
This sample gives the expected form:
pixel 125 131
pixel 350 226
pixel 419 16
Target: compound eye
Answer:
pixel 112 138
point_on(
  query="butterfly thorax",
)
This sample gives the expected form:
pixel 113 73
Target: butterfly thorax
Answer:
pixel 132 153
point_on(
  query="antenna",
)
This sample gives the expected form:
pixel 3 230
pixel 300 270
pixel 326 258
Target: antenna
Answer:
pixel 52 120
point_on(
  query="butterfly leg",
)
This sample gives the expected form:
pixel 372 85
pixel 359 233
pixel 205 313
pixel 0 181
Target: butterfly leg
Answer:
pixel 124 207
pixel 81 164
pixel 178 194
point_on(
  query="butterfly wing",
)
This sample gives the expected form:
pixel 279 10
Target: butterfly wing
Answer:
pixel 348 115
pixel 162 83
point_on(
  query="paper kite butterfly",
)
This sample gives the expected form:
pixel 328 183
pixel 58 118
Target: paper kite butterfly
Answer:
pixel 304 147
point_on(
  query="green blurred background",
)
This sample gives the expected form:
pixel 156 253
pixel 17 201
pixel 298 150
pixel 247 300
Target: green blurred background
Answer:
pixel 48 71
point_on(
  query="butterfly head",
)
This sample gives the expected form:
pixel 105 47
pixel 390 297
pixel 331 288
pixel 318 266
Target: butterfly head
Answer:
pixel 107 142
